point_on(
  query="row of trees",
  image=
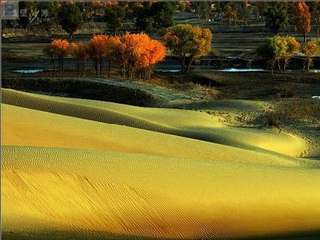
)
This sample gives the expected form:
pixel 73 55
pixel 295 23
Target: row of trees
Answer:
pixel 148 16
pixel 279 49
pixel 279 15
pixel 134 54
pixel 71 15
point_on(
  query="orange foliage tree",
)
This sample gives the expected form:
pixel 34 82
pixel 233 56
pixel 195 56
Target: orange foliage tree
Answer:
pixel 80 54
pixel 136 54
pixel 50 51
pixel 153 52
pixel 57 49
pixel 97 49
pixel 309 49
pixel 303 18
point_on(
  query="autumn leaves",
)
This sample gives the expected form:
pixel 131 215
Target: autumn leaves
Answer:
pixel 135 54
pixel 57 50
pixel 187 42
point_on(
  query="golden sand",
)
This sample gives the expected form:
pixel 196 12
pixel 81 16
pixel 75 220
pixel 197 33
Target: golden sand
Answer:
pixel 79 165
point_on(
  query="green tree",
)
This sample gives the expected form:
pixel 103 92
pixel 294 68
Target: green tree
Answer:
pixel 267 51
pixel 48 14
pixel 243 12
pixel 143 19
pixel 28 14
pixel 278 48
pixel 162 12
pixel 70 18
pixel 260 8
pixel 86 9
pixel 276 16
pixel 187 42
pixel 157 15
pixel 203 9
pixel 114 16
pixel 315 13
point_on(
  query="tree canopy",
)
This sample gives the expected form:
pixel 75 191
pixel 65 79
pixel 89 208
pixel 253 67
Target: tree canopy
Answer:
pixel 276 16
pixel 114 15
pixel 97 49
pixel 79 52
pixel 157 15
pixel 70 18
pixel 161 13
pixel 310 48
pixel 302 19
pixel 278 48
pixel 187 42
pixel 136 54
pixel 57 49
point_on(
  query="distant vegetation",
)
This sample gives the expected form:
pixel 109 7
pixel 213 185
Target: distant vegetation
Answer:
pixel 186 42
pixel 276 49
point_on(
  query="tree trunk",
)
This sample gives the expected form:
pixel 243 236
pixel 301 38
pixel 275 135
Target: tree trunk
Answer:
pixel 84 68
pixel 78 67
pixel 54 65
pixel 109 75
pixel 190 60
pixel 285 64
pixel 309 63
pixel 304 38
pixel 96 66
pixel 100 67
pixel 183 64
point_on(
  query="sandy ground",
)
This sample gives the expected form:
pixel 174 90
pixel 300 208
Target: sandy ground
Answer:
pixel 74 165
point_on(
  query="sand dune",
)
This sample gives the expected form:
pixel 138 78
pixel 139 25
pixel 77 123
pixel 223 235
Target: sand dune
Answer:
pixel 149 195
pixel 184 123
pixel 81 166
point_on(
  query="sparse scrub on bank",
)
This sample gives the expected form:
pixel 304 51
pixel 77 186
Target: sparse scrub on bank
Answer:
pixel 72 87
pixel 307 111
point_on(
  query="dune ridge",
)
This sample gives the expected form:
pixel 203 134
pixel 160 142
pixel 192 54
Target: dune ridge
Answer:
pixel 83 166
pixel 183 123
pixel 18 127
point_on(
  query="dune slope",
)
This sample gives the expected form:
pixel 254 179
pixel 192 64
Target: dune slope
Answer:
pixel 149 195
pixel 184 123
pixel 78 166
